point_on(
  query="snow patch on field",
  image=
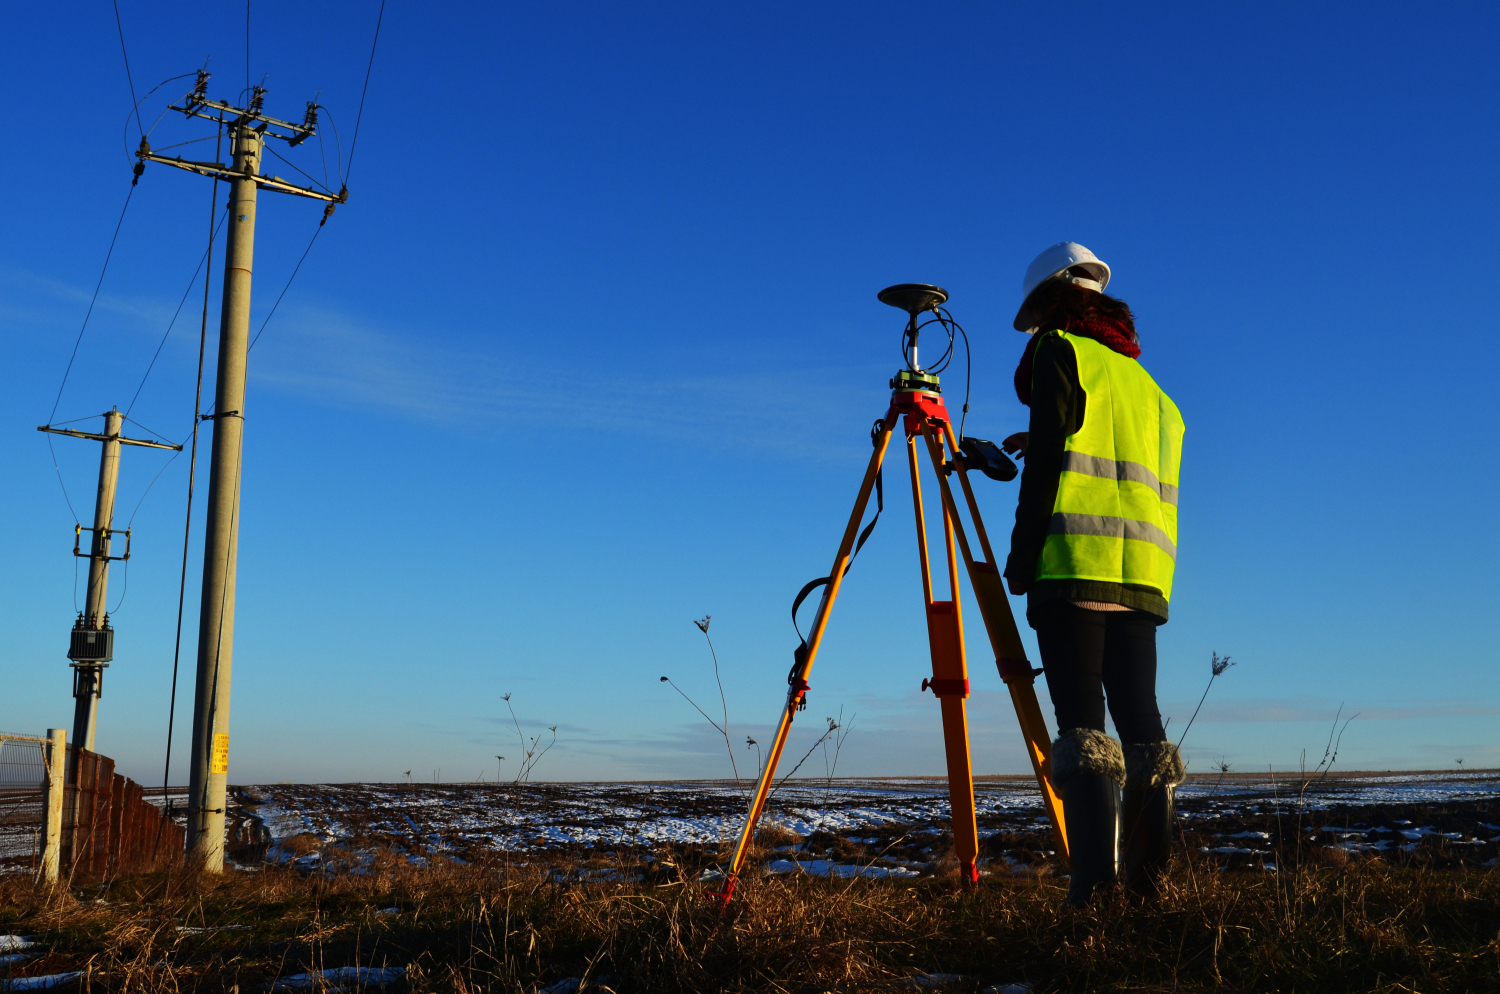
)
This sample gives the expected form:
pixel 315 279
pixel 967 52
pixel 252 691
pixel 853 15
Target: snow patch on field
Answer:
pixel 447 819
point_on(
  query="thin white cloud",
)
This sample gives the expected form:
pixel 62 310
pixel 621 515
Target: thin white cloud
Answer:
pixel 331 358
pixel 141 313
pixel 328 357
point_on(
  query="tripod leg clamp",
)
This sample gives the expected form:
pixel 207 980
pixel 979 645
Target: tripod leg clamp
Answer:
pixel 1016 669
pixel 946 688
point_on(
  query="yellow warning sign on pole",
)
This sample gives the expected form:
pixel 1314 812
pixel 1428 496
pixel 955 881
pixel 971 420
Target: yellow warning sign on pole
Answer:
pixel 221 753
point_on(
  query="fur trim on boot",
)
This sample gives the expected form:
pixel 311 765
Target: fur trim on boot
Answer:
pixel 1085 750
pixel 1152 764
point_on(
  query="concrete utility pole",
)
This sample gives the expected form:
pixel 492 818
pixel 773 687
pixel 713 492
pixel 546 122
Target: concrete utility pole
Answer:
pixel 88 677
pixel 249 128
pixel 93 641
pixel 210 759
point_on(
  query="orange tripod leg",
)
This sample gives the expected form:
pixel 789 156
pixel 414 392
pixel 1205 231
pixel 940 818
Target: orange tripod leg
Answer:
pixel 798 689
pixel 1000 623
pixel 950 682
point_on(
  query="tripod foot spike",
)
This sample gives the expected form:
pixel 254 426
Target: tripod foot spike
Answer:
pixel 722 897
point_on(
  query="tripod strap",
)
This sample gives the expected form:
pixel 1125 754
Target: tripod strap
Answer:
pixel 815 584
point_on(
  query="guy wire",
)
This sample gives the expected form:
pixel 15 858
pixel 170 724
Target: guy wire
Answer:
pixel 187 527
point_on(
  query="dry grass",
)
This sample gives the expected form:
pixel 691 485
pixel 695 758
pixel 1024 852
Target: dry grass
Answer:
pixel 1334 923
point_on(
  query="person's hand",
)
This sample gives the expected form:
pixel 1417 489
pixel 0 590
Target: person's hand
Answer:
pixel 1016 586
pixel 1015 445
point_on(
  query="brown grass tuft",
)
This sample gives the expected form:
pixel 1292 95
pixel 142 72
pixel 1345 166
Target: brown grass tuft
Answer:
pixel 1333 923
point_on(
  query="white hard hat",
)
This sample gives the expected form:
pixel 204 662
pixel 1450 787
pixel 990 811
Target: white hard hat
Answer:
pixel 1054 261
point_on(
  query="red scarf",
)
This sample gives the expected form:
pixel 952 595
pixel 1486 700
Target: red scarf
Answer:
pixel 1102 330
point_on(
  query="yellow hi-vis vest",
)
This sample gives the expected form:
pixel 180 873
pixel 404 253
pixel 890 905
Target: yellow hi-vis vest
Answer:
pixel 1115 518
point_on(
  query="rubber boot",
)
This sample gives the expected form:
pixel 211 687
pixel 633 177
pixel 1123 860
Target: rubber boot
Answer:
pixel 1145 838
pixel 1087 770
pixel 1152 770
pixel 1089 809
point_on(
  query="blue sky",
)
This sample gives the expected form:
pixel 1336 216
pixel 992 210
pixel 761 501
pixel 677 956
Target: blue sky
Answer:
pixel 593 349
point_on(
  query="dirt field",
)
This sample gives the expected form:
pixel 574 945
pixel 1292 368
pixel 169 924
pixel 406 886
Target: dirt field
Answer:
pixel 869 826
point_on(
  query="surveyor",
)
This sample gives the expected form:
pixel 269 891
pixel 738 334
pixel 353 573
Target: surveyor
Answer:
pixel 1093 550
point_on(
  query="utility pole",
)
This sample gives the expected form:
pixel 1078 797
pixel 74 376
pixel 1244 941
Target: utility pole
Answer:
pixel 93 641
pixel 88 676
pixel 248 129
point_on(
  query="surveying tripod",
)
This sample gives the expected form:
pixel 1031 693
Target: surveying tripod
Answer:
pixel 917 405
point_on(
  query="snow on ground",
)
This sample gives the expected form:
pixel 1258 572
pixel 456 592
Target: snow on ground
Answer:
pixel 903 821
pixel 469 820
pixel 522 817
pixel 1326 792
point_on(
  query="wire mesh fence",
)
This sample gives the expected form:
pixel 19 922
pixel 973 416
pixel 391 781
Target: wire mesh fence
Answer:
pixel 23 781
pixel 101 825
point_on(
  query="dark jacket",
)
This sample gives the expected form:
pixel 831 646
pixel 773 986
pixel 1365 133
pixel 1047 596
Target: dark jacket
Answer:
pixel 1058 403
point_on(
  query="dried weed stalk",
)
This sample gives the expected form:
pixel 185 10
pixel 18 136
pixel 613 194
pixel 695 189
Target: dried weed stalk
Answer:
pixel 520 925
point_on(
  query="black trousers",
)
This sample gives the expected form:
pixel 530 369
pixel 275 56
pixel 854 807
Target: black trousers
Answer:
pixel 1088 654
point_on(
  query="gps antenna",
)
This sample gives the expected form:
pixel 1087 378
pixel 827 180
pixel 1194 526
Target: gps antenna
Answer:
pixel 913 298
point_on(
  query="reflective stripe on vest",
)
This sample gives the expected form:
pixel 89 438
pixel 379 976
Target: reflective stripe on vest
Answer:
pixel 1115 518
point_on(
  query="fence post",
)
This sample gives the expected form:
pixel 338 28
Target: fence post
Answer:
pixel 57 753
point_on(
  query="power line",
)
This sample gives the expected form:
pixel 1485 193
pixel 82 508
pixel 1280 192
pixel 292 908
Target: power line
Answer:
pixel 323 152
pixel 66 499
pixel 128 80
pixel 191 282
pixel 338 145
pixel 288 286
pixel 136 110
pixel 147 491
pixel 299 169
pixel 358 116
pixel 190 141
pixel 149 431
pixel 125 586
pixel 76 342
pixel 94 299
